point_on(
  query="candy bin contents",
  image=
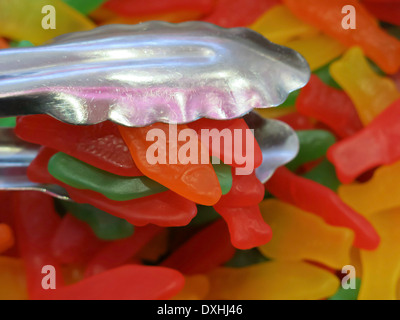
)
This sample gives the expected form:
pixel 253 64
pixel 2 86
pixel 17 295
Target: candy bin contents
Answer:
pixel 324 226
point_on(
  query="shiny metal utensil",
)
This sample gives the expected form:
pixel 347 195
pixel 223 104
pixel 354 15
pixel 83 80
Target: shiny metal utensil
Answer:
pixel 15 157
pixel 136 75
pixel 278 142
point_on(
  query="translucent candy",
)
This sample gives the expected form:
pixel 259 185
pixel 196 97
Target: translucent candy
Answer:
pixel 324 173
pixel 279 25
pixel 347 294
pixel 318 50
pixel 320 99
pixel 228 155
pixel 298 121
pixel 29 26
pixel 276 112
pixel 8 122
pixel 246 191
pixel 84 176
pixel 324 74
pixel 136 11
pixel 173 17
pixel 35 236
pixel 246 226
pixel 370 92
pixel 196 182
pixel 224 175
pixel 239 13
pixel 313 145
pixel 273 280
pixel 3 43
pixel 74 241
pixel 371 147
pixel 132 8
pixel 317 199
pixel 146 283
pixel 299 235
pixel 177 211
pixel 203 252
pixel 377 194
pixel 85 6
pixel 116 253
pixel 99 145
pixel 12 279
pixel 327 16
pixel 381 267
pixel 6 237
pixel 103 224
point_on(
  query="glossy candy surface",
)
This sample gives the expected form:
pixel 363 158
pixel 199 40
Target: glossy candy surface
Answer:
pixel 297 121
pixel 80 175
pixel 139 8
pixel 165 209
pixel 313 145
pixel 272 280
pixel 299 235
pixel 370 197
pixel 117 253
pixel 74 241
pixel 324 173
pixel 375 145
pixel 279 25
pixel 291 245
pixel 381 268
pixel 162 161
pixel 203 252
pixel 36 223
pixel 99 145
pixel 318 50
pixel 315 198
pixel 378 45
pixel 147 283
pixel 246 191
pixel 6 237
pixel 235 141
pixel 239 13
pixel 246 226
pixel 103 224
pixel 29 26
pixel 86 6
pixel 12 279
pixel 321 102
pixel 388 11
pixel 347 294
pixel 196 288
pixel 3 43
pixel 370 93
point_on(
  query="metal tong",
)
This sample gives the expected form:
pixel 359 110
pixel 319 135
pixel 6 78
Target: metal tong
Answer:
pixel 136 75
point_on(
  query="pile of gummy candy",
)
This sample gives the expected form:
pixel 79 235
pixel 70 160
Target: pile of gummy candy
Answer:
pixel 137 231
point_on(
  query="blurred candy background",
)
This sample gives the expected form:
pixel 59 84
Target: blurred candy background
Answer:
pixel 336 204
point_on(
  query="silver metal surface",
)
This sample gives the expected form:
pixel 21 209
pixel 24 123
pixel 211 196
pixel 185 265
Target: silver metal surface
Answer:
pixel 136 75
pixel 278 142
pixel 279 145
pixel 15 157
